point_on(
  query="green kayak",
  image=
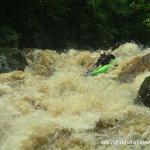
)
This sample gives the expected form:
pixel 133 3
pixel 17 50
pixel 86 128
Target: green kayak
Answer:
pixel 102 69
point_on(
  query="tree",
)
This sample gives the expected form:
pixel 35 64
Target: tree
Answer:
pixel 8 37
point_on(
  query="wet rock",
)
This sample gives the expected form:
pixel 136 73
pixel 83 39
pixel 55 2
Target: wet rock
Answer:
pixel 144 93
pixel 11 59
pixel 134 67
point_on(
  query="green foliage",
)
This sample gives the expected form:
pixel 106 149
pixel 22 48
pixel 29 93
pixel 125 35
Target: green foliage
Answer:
pixel 8 37
pixel 147 22
pixel 74 23
pixel 57 8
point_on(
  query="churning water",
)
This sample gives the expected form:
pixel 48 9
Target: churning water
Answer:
pixel 52 106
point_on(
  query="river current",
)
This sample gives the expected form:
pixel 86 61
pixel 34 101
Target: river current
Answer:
pixel 52 106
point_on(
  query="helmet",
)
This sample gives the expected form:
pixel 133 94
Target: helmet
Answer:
pixel 102 52
pixel 109 51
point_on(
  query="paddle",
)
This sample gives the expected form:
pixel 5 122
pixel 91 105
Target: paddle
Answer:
pixel 90 70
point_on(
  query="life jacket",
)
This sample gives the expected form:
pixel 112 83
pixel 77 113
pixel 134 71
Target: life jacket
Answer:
pixel 104 59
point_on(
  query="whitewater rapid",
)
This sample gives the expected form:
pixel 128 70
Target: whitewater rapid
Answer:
pixel 52 106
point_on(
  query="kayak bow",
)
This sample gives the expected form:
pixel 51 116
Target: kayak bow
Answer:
pixel 102 69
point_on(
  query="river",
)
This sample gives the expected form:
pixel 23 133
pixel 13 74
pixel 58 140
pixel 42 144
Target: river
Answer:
pixel 52 106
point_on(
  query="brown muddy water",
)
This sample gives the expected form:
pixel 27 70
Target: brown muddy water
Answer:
pixel 52 106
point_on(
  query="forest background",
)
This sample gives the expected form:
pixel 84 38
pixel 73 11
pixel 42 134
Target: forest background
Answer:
pixel 80 24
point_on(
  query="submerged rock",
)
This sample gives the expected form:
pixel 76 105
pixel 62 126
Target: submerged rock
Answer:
pixel 134 67
pixel 11 59
pixel 144 93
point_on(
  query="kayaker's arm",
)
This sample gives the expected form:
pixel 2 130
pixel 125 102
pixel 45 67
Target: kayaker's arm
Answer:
pixel 98 62
pixel 111 57
pixel 91 69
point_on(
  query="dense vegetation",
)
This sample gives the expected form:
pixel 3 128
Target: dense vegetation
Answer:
pixel 63 24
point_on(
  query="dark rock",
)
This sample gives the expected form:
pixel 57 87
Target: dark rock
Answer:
pixel 144 93
pixel 11 59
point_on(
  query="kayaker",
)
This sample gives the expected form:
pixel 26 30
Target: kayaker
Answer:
pixel 104 59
